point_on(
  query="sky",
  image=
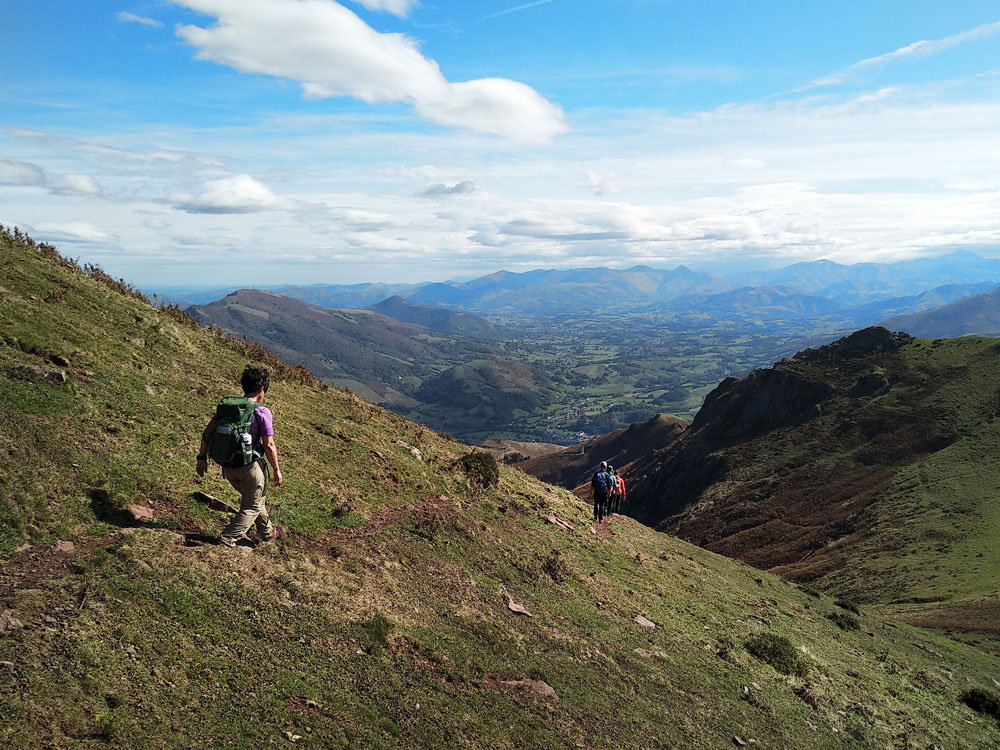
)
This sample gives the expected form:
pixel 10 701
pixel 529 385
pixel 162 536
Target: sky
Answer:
pixel 236 142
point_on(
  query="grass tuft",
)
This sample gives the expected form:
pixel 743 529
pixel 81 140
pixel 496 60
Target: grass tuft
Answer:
pixel 779 652
pixel 982 701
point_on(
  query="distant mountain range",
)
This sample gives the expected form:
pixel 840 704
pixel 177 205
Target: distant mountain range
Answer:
pixel 794 290
pixel 979 314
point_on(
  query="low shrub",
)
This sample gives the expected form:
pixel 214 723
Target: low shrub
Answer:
pixel 779 652
pixel 844 621
pixel 377 631
pixel 848 605
pixel 481 468
pixel 982 701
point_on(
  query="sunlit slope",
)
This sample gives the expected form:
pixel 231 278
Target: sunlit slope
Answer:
pixel 866 467
pixel 384 620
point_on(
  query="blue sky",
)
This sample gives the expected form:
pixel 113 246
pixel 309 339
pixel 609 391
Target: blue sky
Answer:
pixel 271 141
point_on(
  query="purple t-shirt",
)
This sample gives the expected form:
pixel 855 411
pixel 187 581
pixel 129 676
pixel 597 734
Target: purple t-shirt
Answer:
pixel 262 424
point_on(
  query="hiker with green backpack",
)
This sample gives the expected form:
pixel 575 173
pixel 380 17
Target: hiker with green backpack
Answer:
pixel 239 438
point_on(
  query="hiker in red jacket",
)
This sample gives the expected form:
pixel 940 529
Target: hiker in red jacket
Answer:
pixel 621 491
pixel 249 478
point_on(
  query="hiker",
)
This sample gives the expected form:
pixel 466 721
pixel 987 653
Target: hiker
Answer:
pixel 245 436
pixel 612 490
pixel 621 490
pixel 600 484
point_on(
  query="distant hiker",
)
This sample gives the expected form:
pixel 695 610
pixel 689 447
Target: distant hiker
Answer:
pixel 600 483
pixel 621 491
pixel 239 437
pixel 612 490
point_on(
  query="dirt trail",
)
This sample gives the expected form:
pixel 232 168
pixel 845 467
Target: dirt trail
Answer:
pixel 40 563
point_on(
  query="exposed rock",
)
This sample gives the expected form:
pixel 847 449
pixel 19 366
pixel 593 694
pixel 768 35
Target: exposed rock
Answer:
pixel 415 452
pixel 137 342
pixel 9 623
pixel 6 664
pixel 536 686
pixel 761 401
pixel 873 340
pixel 515 607
pixel 141 513
pixel 58 359
pixel 737 740
pixel 22 548
pixel 143 565
pixel 63 547
pixel 559 522
pixel 645 622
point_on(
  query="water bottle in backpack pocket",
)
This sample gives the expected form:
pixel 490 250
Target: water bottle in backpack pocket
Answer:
pixel 231 443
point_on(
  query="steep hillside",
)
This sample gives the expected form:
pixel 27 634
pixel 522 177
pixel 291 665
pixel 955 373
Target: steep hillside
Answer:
pixel 864 466
pixel 574 466
pixel 374 355
pixel 979 314
pixel 441 319
pixel 388 617
pixel 513 451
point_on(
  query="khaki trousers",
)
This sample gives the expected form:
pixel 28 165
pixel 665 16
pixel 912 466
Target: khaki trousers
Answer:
pixel 251 483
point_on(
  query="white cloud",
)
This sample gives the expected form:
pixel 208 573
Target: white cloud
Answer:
pixel 465 187
pixel 77 231
pixel 125 17
pixel 396 7
pixel 239 194
pixel 600 184
pixel 923 48
pixel 20 173
pixel 332 53
pixel 75 184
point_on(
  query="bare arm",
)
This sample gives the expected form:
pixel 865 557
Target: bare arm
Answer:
pixel 202 465
pixel 271 453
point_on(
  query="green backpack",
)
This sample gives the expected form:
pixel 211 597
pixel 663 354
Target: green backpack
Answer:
pixel 231 444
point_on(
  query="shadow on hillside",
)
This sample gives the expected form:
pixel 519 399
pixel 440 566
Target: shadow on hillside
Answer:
pixel 107 512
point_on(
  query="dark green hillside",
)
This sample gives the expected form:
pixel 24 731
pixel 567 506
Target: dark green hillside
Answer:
pixel 384 620
pixel 866 467
pixel 573 466
pixel 441 319
pixel 479 398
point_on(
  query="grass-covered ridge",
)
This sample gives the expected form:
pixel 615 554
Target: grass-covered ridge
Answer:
pixel 384 620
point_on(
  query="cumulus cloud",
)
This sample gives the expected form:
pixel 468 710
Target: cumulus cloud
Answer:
pixel 239 194
pixel 20 173
pixel 331 52
pixel 396 7
pixel 600 184
pixel 125 17
pixel 75 184
pixel 465 187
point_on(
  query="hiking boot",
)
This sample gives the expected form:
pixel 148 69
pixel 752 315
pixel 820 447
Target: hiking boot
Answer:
pixel 279 532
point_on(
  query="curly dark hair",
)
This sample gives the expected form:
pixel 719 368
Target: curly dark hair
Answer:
pixel 254 379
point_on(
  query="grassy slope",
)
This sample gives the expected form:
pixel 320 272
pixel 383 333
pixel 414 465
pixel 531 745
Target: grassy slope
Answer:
pixel 935 529
pixel 382 621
